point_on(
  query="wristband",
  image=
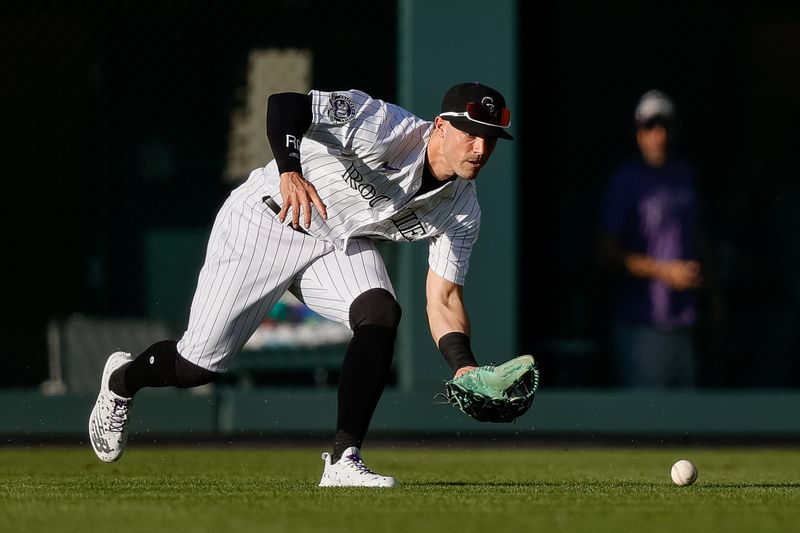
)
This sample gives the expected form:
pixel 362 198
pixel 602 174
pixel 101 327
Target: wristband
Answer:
pixel 456 350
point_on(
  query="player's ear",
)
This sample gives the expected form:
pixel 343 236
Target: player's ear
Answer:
pixel 439 125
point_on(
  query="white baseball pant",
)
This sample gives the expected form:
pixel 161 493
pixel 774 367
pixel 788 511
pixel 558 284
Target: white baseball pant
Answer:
pixel 251 261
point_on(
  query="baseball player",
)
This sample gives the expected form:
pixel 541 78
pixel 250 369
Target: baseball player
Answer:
pixel 348 170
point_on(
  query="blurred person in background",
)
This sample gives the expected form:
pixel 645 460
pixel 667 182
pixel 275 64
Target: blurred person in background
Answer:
pixel 648 242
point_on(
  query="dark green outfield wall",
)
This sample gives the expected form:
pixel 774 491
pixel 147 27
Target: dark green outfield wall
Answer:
pixel 433 57
pixel 232 411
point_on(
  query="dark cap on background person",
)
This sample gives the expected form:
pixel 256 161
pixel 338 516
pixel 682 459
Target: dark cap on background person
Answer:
pixel 477 109
pixel 654 107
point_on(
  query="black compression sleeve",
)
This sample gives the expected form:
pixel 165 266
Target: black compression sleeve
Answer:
pixel 288 118
pixel 456 350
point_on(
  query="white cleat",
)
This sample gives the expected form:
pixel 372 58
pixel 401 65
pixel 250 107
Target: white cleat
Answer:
pixel 109 417
pixel 350 471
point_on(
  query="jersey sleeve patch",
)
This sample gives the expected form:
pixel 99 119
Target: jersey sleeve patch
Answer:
pixel 340 109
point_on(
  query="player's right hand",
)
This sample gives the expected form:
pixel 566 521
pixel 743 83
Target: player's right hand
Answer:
pixel 298 194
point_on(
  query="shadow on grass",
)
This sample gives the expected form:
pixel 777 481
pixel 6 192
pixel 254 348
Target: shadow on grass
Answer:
pixel 594 484
pixel 517 484
pixel 751 485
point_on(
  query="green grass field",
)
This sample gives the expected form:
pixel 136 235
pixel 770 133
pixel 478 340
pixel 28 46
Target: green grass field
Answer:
pixel 459 489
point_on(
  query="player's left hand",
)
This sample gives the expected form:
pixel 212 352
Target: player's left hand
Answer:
pixel 463 370
pixel 298 194
pixel 492 393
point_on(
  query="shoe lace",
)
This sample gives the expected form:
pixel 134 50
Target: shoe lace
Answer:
pixel 359 465
pixel 119 415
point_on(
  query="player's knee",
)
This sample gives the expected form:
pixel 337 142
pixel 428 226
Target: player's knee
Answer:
pixel 188 374
pixel 375 307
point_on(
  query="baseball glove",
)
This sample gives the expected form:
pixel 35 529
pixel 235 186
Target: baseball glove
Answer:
pixel 495 393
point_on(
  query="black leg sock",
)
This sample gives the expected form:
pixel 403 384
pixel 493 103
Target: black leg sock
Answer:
pixel 155 367
pixel 341 442
pixel 365 371
pixel 158 366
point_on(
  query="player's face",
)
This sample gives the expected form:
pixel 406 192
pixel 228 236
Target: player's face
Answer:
pixel 466 153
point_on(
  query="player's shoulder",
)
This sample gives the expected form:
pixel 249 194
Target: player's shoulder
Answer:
pixel 352 94
pixel 355 97
pixel 340 105
pixel 343 106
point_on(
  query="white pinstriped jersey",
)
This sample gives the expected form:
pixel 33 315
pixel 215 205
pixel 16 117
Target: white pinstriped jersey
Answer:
pixel 366 157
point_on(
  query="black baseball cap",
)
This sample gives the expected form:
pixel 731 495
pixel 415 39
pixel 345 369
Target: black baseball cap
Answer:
pixel 477 109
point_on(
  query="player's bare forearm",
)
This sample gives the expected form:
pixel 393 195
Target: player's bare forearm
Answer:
pixel 298 194
pixel 445 307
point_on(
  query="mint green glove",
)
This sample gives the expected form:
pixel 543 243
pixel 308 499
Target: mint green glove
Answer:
pixel 496 393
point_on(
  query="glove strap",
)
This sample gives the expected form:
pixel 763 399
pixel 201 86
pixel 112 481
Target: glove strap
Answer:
pixel 456 350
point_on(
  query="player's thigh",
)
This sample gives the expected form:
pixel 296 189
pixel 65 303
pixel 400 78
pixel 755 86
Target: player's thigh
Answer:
pixel 330 283
pixel 250 263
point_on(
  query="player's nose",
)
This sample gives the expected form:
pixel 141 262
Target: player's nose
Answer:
pixel 479 146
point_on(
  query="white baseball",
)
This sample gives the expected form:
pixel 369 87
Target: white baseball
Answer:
pixel 683 473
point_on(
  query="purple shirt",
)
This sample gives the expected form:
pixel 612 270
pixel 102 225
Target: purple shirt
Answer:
pixel 652 211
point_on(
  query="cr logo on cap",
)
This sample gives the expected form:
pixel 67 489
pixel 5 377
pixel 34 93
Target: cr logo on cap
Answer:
pixel 488 103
